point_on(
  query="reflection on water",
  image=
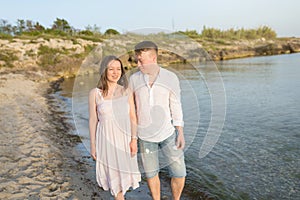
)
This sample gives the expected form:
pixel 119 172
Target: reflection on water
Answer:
pixel 257 155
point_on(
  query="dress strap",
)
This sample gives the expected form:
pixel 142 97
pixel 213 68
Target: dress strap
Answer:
pixel 99 96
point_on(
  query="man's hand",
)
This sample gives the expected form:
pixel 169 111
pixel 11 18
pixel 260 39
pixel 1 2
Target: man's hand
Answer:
pixel 180 142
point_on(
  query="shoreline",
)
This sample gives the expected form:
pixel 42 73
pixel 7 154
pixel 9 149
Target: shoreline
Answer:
pixel 42 157
pixel 64 56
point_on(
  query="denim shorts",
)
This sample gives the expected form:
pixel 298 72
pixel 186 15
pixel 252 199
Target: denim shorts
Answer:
pixel 156 155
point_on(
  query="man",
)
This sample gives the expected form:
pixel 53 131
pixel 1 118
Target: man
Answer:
pixel 158 107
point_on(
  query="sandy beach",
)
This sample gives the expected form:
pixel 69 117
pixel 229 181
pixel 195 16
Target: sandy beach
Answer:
pixel 33 165
pixel 40 157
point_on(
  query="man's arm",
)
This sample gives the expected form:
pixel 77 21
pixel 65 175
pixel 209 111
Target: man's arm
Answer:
pixel 176 113
pixel 180 142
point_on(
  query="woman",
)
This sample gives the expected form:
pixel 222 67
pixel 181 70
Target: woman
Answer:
pixel 112 126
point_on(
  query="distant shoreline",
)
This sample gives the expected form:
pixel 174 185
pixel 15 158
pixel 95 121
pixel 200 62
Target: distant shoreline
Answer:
pixel 61 57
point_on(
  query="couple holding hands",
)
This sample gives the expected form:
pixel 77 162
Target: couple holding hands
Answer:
pixel 144 114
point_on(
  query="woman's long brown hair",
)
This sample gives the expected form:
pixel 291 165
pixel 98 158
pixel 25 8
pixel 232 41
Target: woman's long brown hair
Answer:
pixel 102 84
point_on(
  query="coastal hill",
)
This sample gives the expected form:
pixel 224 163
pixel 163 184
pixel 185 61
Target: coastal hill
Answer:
pixel 63 56
pixel 61 49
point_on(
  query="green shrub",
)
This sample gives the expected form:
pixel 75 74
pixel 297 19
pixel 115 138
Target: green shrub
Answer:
pixel 111 32
pixel 5 36
pixel 32 33
pixel 86 32
pixel 8 57
pixel 56 32
pixel 48 56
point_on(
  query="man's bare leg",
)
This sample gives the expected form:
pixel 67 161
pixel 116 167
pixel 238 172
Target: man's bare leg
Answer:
pixel 177 185
pixel 154 186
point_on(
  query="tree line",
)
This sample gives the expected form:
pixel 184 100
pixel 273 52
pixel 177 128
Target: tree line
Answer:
pixel 59 27
pixel 62 27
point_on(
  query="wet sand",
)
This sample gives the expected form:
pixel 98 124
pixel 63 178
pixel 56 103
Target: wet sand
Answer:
pixel 40 157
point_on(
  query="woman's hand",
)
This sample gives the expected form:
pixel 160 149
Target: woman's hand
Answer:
pixel 133 147
pixel 93 153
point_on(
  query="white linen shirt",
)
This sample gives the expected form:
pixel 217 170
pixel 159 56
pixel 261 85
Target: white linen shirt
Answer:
pixel 158 107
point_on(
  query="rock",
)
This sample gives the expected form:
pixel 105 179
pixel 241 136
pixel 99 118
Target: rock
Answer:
pixel 53 187
pixel 294 46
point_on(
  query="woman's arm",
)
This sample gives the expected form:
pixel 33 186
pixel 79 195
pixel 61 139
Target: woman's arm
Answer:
pixel 93 121
pixel 133 123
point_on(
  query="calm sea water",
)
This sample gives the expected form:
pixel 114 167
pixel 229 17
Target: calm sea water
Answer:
pixel 257 155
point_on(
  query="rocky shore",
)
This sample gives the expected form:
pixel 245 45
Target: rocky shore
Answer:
pixel 63 57
pixel 240 49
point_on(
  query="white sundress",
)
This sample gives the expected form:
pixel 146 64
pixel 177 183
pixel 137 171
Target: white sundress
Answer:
pixel 116 170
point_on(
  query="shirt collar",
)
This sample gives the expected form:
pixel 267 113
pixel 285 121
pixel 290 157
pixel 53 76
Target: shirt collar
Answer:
pixel 146 76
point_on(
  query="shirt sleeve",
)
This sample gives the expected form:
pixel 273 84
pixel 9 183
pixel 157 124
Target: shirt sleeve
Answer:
pixel 131 85
pixel 175 103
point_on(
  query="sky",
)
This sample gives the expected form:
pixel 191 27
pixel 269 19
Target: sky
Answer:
pixel 174 15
